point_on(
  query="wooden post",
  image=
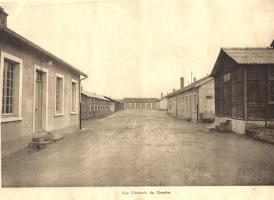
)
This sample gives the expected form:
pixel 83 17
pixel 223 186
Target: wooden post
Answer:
pixel 266 97
pixel 245 93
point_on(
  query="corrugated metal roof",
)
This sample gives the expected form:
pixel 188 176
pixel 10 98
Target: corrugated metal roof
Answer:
pixel 93 95
pixel 27 42
pixel 191 86
pixel 251 55
pixel 140 100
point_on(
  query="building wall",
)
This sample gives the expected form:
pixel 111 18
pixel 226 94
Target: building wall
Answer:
pixel 94 107
pixel 163 104
pixel 112 106
pixel 171 106
pixel 248 91
pixel 258 84
pixel 206 101
pixel 24 128
pixel 137 105
pixel 187 105
pixel 157 105
pixel 195 104
pixel 239 126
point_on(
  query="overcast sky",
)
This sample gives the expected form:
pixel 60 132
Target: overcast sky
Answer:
pixel 140 48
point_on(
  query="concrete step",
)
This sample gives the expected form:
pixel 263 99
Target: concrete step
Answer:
pixel 42 136
pixel 58 137
pixel 41 140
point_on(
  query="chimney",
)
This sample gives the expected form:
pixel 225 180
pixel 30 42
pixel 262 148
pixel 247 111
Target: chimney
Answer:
pixel 3 17
pixel 182 82
pixel 194 79
pixel 173 90
pixel 162 95
pixel 272 44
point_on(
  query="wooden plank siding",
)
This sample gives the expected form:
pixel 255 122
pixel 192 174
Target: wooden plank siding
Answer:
pixel 250 88
pixel 219 96
pixel 229 98
pixel 237 91
pixel 257 97
pixel 84 107
pixel 257 105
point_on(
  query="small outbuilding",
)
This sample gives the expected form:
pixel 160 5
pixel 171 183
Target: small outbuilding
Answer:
pixel 244 87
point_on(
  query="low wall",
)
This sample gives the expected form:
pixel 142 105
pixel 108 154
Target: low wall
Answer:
pixel 237 126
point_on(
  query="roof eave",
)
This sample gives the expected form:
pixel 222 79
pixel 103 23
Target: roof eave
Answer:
pixel 213 72
pixel 43 51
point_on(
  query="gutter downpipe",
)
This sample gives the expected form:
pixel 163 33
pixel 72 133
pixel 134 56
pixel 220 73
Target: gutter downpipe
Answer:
pixel 80 101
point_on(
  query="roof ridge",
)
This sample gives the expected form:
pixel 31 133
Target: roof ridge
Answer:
pixel 186 88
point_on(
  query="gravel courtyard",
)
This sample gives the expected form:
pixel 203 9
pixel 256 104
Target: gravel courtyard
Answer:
pixel 143 148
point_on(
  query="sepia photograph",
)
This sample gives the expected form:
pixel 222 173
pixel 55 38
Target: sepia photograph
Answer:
pixel 130 93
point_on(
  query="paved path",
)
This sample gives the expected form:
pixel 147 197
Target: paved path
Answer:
pixel 143 148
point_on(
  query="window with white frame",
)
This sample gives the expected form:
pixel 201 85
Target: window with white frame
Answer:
pixel 11 67
pixel 8 87
pixel 73 96
pixel 59 95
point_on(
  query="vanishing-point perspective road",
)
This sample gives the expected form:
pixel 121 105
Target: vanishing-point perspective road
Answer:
pixel 143 148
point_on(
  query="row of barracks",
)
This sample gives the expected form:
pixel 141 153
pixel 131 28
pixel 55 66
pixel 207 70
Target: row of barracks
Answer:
pixel 140 103
pixel 93 105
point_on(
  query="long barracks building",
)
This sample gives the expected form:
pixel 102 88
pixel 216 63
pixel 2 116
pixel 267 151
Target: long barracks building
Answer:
pixel 140 103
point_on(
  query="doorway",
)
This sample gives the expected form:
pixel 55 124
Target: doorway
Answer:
pixel 40 100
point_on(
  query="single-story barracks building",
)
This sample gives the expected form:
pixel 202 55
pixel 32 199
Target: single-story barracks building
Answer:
pixel 194 102
pixel 140 103
pixel 115 105
pixel 244 88
pixel 39 92
pixel 94 105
